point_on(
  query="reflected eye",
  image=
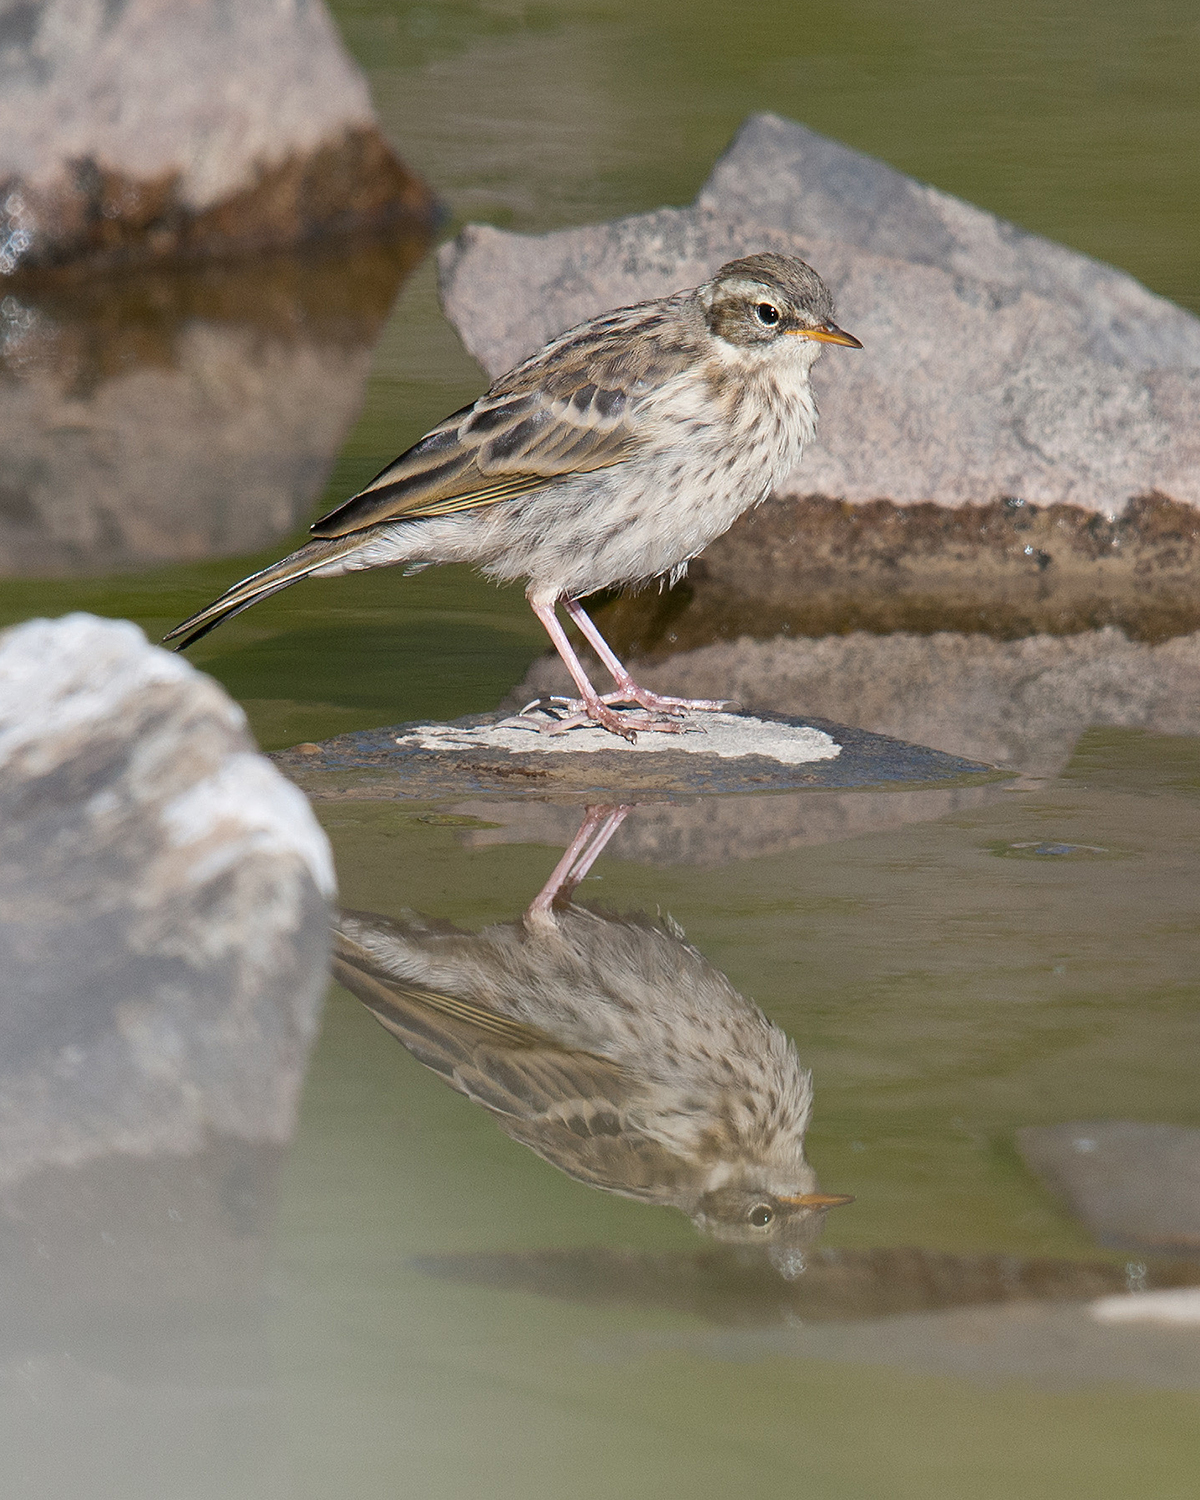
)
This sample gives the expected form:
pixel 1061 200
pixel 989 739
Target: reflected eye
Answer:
pixel 767 314
pixel 761 1215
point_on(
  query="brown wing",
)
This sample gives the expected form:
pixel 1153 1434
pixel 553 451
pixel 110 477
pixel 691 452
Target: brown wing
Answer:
pixel 576 1110
pixel 506 443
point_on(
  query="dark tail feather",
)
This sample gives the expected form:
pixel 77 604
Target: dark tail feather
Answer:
pixel 262 585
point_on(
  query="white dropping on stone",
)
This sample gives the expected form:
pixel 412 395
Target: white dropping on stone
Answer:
pixel 727 736
pixel 1179 1307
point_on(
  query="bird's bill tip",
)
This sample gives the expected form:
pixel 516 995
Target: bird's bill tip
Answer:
pixel 829 333
pixel 818 1200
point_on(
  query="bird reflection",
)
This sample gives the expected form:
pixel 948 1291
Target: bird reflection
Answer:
pixel 608 1045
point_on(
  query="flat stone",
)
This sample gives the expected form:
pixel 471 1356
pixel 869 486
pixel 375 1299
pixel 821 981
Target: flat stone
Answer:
pixel 1000 388
pixel 1134 1185
pixel 481 754
pixel 155 129
pixel 726 736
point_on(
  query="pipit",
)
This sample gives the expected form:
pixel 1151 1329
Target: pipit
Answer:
pixel 607 460
pixel 609 1046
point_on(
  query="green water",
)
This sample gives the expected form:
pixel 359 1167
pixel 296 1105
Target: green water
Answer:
pixel 943 993
pixel 945 989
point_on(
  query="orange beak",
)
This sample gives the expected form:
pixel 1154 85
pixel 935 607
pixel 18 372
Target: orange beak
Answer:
pixel 819 1200
pixel 830 333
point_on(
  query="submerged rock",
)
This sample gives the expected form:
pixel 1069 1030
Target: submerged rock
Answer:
pixel 160 128
pixel 995 364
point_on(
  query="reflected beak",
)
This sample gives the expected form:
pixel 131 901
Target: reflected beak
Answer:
pixel 828 333
pixel 819 1200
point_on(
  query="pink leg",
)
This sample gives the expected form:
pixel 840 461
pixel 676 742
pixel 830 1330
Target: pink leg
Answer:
pixel 627 690
pixel 594 708
pixel 598 826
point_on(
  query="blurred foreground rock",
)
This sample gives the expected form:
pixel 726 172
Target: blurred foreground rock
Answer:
pixel 999 372
pixel 164 901
pixel 155 129
pixel 1014 703
pixel 182 414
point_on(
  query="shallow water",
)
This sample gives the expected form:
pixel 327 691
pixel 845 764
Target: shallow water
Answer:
pixel 952 971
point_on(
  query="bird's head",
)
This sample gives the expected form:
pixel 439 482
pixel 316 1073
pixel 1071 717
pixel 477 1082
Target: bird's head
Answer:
pixel 747 1213
pixel 772 301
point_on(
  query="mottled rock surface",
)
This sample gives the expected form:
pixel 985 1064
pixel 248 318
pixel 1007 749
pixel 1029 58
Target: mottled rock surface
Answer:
pixel 163 907
pixel 1007 568
pixel 182 414
pixel 995 364
pixel 781 174
pixel 149 129
pixel 1133 1185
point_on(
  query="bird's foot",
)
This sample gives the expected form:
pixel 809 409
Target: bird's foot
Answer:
pixel 630 692
pixel 563 714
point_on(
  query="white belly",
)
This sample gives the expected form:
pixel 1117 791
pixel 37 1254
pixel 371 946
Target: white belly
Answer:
pixel 625 525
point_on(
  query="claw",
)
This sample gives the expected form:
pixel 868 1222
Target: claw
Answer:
pixel 576 714
pixel 632 693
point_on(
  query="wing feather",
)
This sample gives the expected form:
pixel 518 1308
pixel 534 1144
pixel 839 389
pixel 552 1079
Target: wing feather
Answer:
pixel 553 416
pixel 575 1109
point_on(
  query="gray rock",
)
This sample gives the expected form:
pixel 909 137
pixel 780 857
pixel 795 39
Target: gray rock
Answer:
pixel 182 415
pixel 782 175
pixel 974 383
pixel 1021 703
pixel 1009 569
pixel 1134 1185
pixel 163 908
pixel 151 128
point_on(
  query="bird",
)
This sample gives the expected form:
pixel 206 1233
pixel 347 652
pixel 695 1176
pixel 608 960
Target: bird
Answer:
pixel 609 1045
pixel 609 459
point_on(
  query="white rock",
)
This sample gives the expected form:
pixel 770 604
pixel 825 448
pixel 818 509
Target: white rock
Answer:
pixel 1179 1308
pixel 727 736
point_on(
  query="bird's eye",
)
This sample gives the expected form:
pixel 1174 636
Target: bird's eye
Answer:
pixel 761 1215
pixel 767 314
